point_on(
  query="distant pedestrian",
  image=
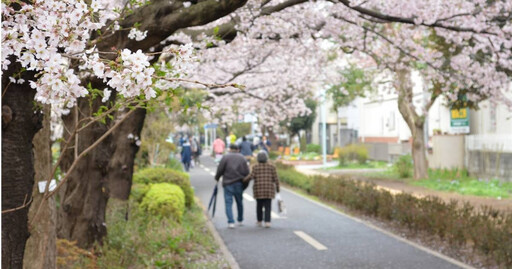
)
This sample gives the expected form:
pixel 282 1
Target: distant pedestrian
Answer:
pixel 246 148
pixel 199 150
pixel 218 148
pixel 186 153
pixel 194 148
pixel 266 184
pixel 232 138
pixel 265 144
pixel 233 169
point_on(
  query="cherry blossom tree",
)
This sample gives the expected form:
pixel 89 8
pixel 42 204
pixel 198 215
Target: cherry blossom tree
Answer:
pixel 72 55
pixel 59 53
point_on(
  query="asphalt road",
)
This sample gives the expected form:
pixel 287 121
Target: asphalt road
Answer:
pixel 338 241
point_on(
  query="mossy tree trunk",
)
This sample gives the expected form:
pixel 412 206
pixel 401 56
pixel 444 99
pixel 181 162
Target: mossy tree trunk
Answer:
pixel 41 251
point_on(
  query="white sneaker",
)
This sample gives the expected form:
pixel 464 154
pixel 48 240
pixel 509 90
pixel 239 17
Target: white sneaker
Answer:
pixel 240 224
pixel 267 224
pixel 231 226
pixel 259 224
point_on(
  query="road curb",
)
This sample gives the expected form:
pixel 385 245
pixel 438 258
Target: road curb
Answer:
pixel 371 226
pixel 223 248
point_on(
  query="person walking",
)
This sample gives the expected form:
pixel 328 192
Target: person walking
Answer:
pixel 266 184
pixel 218 148
pixel 233 169
pixel 246 148
pixel 265 144
pixel 198 152
pixel 193 149
pixel 186 153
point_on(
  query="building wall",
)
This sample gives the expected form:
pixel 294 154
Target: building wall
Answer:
pixel 441 144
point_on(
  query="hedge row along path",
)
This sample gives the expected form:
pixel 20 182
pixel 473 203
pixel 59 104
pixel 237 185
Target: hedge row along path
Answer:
pixel 504 205
pixel 311 235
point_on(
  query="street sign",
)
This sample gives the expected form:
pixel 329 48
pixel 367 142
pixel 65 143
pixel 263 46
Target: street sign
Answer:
pixel 459 120
pixel 211 126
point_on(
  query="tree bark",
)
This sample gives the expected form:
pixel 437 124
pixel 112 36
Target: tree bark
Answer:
pixel 81 216
pixel 120 167
pixel 272 138
pixel 414 121
pixel 338 124
pixel 20 122
pixel 41 251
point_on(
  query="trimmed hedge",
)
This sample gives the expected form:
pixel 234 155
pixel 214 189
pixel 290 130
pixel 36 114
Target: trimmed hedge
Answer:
pixel 353 152
pixel 139 191
pixel 488 231
pixel 314 148
pixel 166 175
pixel 165 200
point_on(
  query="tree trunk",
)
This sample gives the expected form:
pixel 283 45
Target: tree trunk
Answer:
pixel 81 216
pixel 120 167
pixel 273 139
pixel 41 250
pixel 414 121
pixel 338 123
pixel 20 122
pixel 419 155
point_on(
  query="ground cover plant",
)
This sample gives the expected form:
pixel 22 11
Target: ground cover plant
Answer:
pixel 355 165
pixel 460 182
pixel 161 237
pixel 451 180
pixel 486 231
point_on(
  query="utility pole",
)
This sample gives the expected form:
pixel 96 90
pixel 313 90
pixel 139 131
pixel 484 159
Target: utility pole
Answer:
pixel 324 127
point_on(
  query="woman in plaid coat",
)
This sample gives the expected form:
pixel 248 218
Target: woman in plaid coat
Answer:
pixel 265 186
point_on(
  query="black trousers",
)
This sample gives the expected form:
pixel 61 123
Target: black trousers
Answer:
pixel 260 204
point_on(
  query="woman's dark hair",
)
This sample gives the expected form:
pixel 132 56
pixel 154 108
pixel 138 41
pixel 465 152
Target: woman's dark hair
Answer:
pixel 262 157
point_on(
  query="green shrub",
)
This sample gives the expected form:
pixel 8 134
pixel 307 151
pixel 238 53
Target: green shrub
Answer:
pixel 403 166
pixel 165 200
pixel 146 241
pixel 314 148
pixel 174 164
pixel 273 155
pixel 295 178
pixel 166 175
pixel 138 192
pixel 486 231
pixel 353 152
pixel 303 144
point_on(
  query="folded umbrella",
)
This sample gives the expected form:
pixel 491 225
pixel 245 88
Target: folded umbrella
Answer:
pixel 213 200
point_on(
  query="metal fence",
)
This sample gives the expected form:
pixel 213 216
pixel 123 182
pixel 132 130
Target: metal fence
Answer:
pixel 489 156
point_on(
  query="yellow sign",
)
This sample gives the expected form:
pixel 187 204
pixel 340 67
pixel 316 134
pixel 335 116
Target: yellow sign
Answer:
pixel 459 113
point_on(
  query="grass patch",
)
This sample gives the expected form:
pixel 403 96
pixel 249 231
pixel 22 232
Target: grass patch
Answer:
pixel 145 241
pixel 355 165
pixel 454 180
pixel 460 182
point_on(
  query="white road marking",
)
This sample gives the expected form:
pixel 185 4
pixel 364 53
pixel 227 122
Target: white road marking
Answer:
pixel 274 215
pixel 212 173
pixel 371 226
pixel 310 240
pixel 207 169
pixel 248 197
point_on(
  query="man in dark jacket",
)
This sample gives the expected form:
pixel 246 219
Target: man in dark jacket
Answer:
pixel 233 169
pixel 246 148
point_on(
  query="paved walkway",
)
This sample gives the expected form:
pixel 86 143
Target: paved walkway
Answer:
pixel 309 236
